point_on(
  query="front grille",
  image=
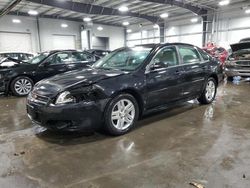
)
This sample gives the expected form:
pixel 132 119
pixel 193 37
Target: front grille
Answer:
pixel 33 97
pixel 243 63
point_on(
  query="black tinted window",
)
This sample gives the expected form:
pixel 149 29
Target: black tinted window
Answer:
pixel 81 56
pixel 204 55
pixel 189 55
pixel 29 56
pixel 59 58
pixel 166 57
pixel 22 57
pixel 12 55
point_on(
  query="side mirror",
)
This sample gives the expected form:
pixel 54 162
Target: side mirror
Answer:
pixel 155 66
pixel 158 65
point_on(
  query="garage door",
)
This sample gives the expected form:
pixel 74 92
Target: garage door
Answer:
pixel 15 42
pixel 61 42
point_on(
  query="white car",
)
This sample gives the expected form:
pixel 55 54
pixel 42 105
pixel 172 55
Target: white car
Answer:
pixel 22 56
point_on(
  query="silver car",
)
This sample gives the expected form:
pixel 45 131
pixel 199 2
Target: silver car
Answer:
pixel 238 63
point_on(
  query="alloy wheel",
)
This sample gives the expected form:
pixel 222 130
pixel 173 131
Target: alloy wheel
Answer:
pixel 123 114
pixel 23 86
pixel 210 90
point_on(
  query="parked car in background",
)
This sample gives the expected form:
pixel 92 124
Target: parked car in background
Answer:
pixel 218 52
pixel 20 77
pixel 99 53
pixel 238 63
pixel 245 40
pixel 123 85
pixel 21 56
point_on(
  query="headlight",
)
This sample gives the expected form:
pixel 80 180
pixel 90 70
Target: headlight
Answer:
pixel 65 97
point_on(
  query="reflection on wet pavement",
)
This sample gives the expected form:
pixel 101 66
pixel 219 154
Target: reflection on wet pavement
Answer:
pixel 206 144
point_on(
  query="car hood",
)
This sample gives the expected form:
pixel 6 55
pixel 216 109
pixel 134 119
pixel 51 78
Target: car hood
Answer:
pixel 56 84
pixel 240 46
pixel 8 64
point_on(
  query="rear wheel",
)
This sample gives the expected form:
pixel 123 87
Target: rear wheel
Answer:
pixel 121 114
pixel 209 93
pixel 21 86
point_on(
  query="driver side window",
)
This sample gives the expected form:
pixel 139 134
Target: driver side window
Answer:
pixel 166 57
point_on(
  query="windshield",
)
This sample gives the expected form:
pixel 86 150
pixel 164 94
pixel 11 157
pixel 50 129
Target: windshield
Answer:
pixel 127 59
pixel 38 58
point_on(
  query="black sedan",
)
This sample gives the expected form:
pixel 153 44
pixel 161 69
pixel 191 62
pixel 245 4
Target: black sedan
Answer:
pixel 123 86
pixel 19 77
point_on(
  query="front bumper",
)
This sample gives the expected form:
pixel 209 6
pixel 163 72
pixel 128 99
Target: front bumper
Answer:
pixel 237 71
pixel 69 117
pixel 2 86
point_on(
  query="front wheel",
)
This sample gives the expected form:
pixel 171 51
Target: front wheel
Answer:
pixel 21 86
pixel 209 93
pixel 121 114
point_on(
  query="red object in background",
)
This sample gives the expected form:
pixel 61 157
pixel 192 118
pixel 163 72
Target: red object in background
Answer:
pixel 218 52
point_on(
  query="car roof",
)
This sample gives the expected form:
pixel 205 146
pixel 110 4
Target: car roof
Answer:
pixel 245 40
pixel 155 45
pixel 164 44
pixel 97 50
pixel 69 50
pixel 16 52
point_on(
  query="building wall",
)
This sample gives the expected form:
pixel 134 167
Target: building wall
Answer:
pixel 174 32
pixel 191 33
pixel 116 35
pixel 28 25
pixel 50 27
pixel 143 36
pixel 231 28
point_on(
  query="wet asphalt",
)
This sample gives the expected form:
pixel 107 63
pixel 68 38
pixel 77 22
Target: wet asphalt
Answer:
pixel 209 145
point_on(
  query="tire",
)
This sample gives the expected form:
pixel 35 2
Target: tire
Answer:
pixel 230 79
pixel 121 121
pixel 24 84
pixel 209 92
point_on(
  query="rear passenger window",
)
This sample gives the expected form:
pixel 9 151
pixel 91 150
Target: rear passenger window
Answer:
pixel 189 55
pixel 29 56
pixel 204 55
pixel 59 58
pixel 79 56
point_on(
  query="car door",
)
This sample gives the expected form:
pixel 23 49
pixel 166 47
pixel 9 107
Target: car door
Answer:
pixel 194 70
pixel 164 78
pixel 53 65
pixel 80 60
